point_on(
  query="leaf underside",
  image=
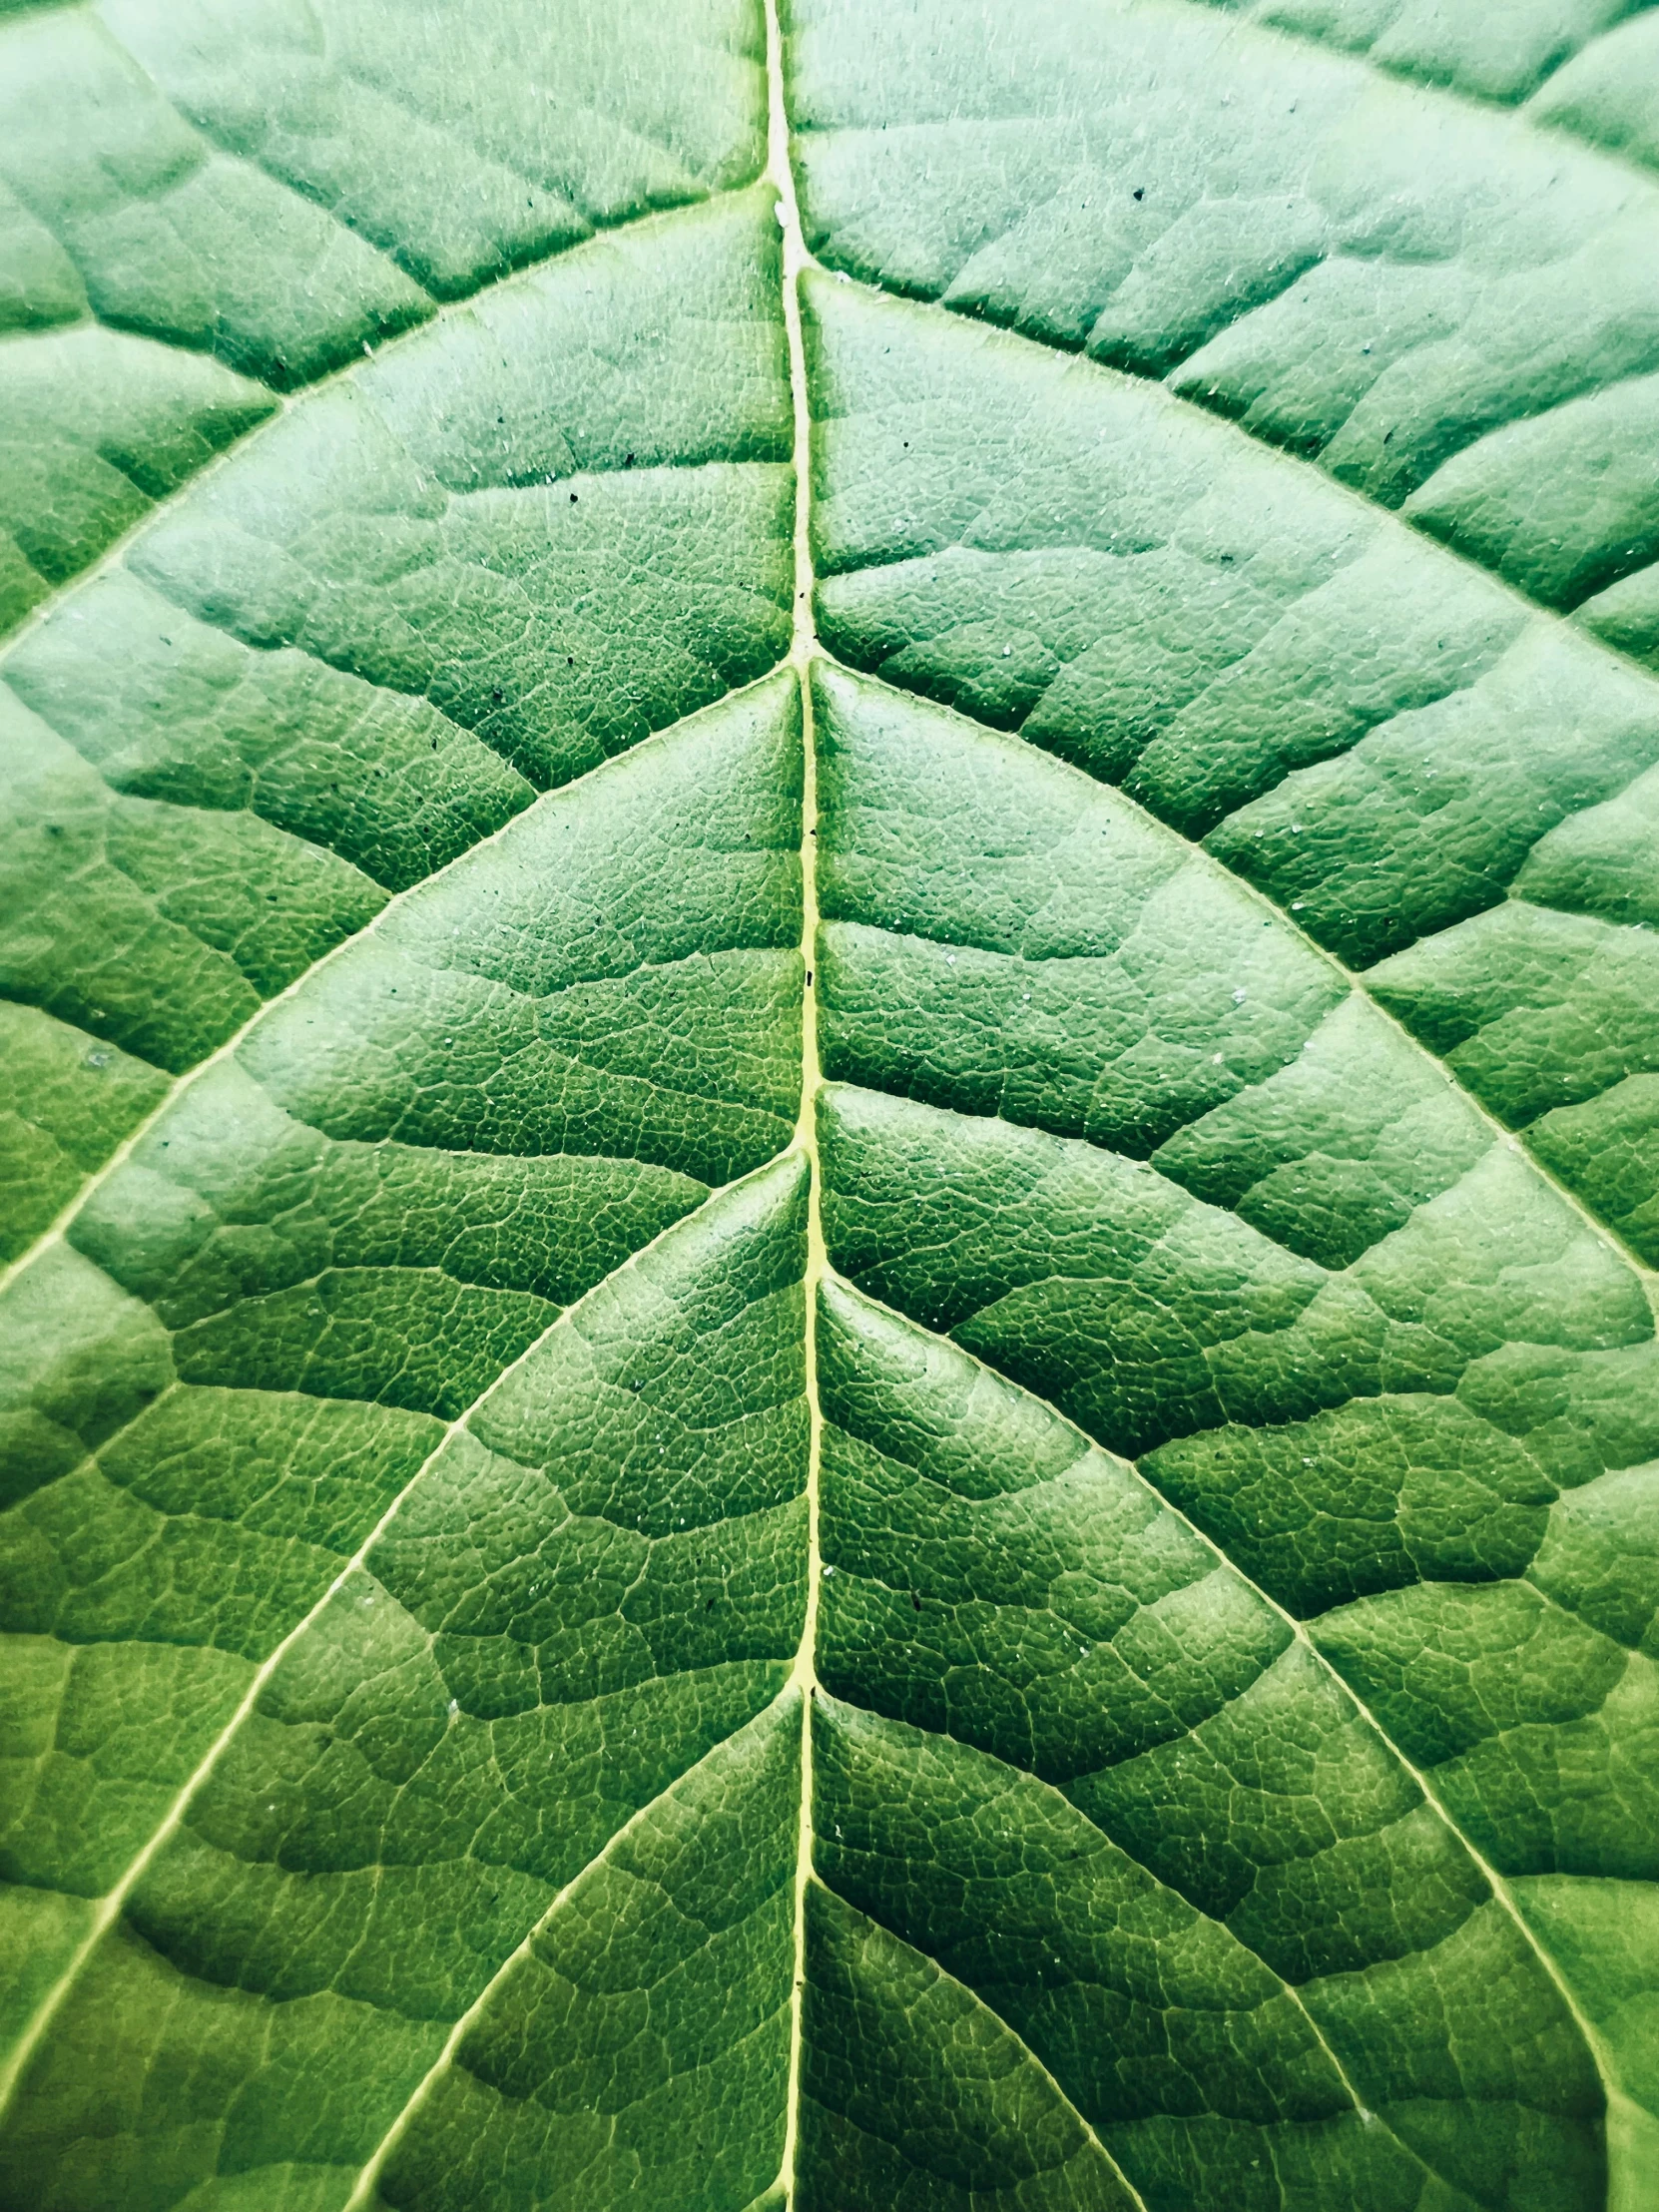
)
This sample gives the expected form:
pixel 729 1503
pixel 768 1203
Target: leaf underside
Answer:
pixel 829 951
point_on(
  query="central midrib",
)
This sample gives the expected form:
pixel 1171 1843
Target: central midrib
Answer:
pixel 803 645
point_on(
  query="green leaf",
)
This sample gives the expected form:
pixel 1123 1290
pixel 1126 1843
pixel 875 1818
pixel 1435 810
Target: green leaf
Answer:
pixel 829 1373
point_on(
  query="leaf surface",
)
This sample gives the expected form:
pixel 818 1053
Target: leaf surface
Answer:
pixel 830 1374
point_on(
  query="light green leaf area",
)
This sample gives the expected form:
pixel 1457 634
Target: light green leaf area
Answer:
pixel 831 1094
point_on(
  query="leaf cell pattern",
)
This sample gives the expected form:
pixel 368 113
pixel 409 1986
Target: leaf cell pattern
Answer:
pixel 829 1376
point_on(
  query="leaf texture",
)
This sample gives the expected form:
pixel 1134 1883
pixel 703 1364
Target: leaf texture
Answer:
pixel 832 1103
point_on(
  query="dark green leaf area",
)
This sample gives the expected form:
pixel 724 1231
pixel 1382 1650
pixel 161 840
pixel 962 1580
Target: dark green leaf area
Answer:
pixel 640 2040
pixel 1208 2079
pixel 156 927
pixel 195 251
pixel 168 708
pixel 1146 1314
pixel 1246 1939
pixel 525 1072
pixel 621 959
pixel 214 1518
pixel 1493 1690
pixel 915 2096
pixel 500 538
pixel 1603 861
pixel 964 1225
pixel 99 426
pixel 994 1577
pixel 1355 720
pixel 305 2115
pixel 139 1591
pixel 1449 310
pixel 1441 788
pixel 461 1727
pixel 1377 1493
pixel 251 186
pixel 1194 2067
pixel 621 1510
pixel 352 652
pixel 1550 1019
pixel 81 1361
pixel 178 182
pixel 1006 937
pixel 474 141
pixel 65 1102
pixel 1463 1389
pixel 1609 1151
pixel 1363 1343
pixel 1358 1341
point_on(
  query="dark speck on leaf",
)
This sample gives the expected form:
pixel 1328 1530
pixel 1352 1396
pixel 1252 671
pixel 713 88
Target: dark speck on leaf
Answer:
pixel 627 460
pixel 1139 192
pixel 573 499
pixel 498 697
pixel 915 1601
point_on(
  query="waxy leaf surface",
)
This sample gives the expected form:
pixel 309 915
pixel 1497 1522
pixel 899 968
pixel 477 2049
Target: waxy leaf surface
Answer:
pixel 829 978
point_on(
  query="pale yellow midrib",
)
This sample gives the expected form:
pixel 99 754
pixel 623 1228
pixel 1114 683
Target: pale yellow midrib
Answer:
pixel 802 646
